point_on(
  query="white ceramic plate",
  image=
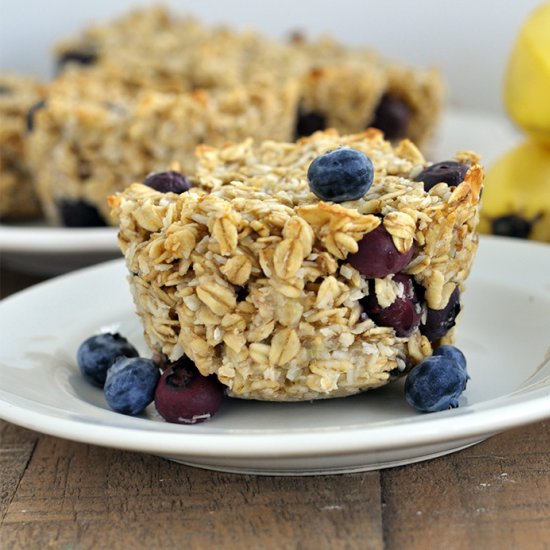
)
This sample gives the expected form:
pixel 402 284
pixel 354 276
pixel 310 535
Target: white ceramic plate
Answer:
pixel 505 334
pixel 52 250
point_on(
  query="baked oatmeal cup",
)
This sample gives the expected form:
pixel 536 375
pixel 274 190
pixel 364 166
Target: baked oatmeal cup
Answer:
pixel 143 90
pixel 287 297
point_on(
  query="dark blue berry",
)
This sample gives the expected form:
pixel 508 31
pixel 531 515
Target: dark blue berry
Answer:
pixel 242 293
pixel 452 353
pixel 435 384
pixel 309 122
pixel 96 355
pixel 440 321
pixel 341 175
pixel 392 116
pixel 5 90
pixel 168 182
pixel 377 256
pixel 29 121
pixel 80 57
pixel 130 384
pixel 511 226
pixel 450 172
pixel 403 315
pixel 184 396
pixel 79 213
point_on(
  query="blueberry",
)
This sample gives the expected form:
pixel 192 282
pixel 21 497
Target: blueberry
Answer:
pixel 96 355
pixel 168 182
pixel 340 175
pixel 309 122
pixel 453 353
pixel 5 90
pixel 440 321
pixel 29 121
pixel 403 315
pixel 392 116
pixel 130 384
pixel 184 396
pixel 449 172
pixel 84 56
pixel 79 213
pixel 242 293
pixel 377 255
pixel 435 384
pixel 511 226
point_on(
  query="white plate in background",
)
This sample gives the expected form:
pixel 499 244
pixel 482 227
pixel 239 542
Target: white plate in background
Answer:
pixel 504 333
pixel 47 250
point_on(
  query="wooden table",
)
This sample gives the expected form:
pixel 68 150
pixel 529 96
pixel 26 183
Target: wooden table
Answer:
pixel 59 494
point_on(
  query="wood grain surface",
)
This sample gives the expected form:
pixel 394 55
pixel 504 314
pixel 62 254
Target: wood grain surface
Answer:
pixel 65 495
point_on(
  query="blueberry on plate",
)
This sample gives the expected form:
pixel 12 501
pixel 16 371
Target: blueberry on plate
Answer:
pixel 450 172
pixel 96 355
pixel 168 182
pixel 130 384
pixel 435 384
pixel 341 175
pixel 185 396
pixel 452 352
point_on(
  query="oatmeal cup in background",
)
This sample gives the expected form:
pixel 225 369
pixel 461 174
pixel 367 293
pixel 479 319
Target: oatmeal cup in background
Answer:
pixel 19 95
pixel 145 89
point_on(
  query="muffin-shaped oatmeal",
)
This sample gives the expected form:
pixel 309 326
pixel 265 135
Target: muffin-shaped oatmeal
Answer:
pixel 286 296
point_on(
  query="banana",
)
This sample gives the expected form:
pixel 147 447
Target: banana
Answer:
pixel 516 194
pixel 527 76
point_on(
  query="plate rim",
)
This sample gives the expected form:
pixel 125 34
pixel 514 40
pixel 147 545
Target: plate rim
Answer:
pixel 437 429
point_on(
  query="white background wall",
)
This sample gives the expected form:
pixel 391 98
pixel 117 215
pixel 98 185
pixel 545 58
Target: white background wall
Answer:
pixel 468 39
